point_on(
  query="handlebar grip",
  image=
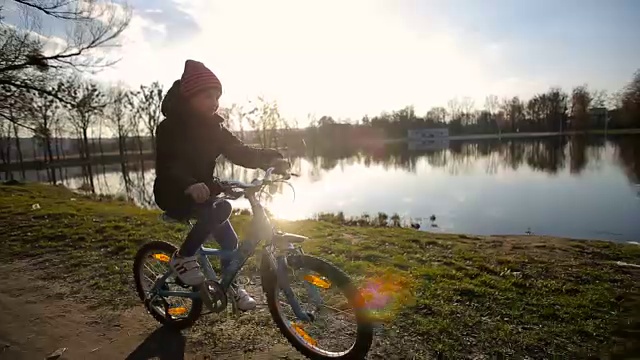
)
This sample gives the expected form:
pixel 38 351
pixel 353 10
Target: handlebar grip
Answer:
pixel 214 187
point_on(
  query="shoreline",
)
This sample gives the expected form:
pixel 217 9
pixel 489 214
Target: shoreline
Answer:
pixel 528 135
pixel 440 142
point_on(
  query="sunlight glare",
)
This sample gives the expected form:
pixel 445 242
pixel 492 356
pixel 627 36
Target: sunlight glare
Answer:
pixel 285 51
pixel 385 295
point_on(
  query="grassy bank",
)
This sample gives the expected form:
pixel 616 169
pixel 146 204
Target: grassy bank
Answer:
pixel 517 296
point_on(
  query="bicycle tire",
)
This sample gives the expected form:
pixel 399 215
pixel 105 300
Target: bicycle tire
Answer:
pixel 196 304
pixel 364 337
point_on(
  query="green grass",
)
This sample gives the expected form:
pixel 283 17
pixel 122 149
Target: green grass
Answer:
pixel 470 295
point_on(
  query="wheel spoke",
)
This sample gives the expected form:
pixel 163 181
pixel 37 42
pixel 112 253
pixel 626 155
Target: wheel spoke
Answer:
pixel 334 328
pixel 146 266
pixel 334 309
pixel 151 269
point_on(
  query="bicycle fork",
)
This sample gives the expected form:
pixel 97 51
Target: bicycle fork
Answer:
pixel 284 285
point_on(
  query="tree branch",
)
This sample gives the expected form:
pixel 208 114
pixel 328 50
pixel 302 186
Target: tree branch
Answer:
pixel 52 10
pixel 36 89
pixel 16 122
pixel 93 28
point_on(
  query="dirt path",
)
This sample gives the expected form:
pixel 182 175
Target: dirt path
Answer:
pixel 36 319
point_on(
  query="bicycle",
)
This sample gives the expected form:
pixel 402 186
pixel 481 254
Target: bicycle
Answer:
pixel 282 258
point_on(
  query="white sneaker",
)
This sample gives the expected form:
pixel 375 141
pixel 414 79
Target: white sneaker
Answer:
pixel 188 269
pixel 244 301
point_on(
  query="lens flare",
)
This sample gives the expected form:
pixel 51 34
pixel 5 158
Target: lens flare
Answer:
pixel 385 295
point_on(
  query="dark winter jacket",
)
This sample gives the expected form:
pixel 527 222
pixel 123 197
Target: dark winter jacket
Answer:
pixel 187 147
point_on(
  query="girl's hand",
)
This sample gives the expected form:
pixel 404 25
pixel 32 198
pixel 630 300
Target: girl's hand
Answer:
pixel 282 166
pixel 199 192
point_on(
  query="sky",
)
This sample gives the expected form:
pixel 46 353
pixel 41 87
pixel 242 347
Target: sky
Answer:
pixel 348 58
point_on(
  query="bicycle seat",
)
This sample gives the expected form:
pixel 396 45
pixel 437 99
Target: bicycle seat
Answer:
pixel 288 238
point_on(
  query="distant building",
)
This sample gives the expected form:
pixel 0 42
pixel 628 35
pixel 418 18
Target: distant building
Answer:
pixel 427 134
pixel 598 117
pixel 429 144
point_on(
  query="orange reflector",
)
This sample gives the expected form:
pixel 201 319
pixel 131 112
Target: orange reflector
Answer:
pixel 177 311
pixel 161 257
pixel 304 334
pixel 318 281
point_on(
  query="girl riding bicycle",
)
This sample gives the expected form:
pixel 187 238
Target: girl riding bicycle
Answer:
pixel 188 142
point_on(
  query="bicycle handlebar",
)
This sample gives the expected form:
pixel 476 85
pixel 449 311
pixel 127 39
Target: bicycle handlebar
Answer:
pixel 232 185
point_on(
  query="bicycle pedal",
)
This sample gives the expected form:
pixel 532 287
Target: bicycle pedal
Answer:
pixel 213 296
pixel 206 298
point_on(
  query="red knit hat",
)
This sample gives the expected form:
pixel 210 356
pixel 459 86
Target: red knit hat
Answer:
pixel 197 77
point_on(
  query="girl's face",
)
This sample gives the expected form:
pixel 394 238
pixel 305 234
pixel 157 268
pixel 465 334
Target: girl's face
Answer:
pixel 205 102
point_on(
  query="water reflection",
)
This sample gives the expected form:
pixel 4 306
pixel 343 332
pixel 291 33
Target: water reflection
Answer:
pixel 628 156
pixel 473 186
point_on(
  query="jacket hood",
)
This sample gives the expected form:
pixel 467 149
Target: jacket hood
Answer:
pixel 173 100
pixel 175 105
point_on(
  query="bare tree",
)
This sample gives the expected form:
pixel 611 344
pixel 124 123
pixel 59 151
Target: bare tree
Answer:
pixel 45 111
pixel 580 103
pixel 149 102
pixel 16 137
pixel 514 112
pixel 535 110
pixel 62 127
pixel 555 108
pixel 599 98
pixel 225 114
pixel 237 113
pixel 437 115
pixel 455 116
pixel 92 26
pixel 455 109
pixel 467 106
pixel 16 108
pixel 492 105
pixel 31 59
pixel 16 48
pixel 5 142
pixel 88 101
pixel 629 101
pixel 266 121
pixel 134 123
pixel 116 116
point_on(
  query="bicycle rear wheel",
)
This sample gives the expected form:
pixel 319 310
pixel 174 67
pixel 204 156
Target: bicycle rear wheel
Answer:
pixel 151 262
pixel 342 306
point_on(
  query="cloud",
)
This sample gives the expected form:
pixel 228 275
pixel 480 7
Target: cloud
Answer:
pixel 50 44
pixel 105 12
pixel 168 14
pixel 345 58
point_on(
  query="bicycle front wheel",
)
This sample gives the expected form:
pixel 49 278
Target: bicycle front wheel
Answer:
pixel 339 326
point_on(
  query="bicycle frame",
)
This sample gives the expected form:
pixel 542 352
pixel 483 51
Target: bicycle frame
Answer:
pixel 260 229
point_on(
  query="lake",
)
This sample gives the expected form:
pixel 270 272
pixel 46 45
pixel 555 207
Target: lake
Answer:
pixel 579 187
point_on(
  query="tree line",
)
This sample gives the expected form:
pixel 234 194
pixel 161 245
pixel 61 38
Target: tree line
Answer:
pixel 552 111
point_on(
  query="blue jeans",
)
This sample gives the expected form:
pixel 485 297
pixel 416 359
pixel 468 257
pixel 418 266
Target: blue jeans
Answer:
pixel 211 220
